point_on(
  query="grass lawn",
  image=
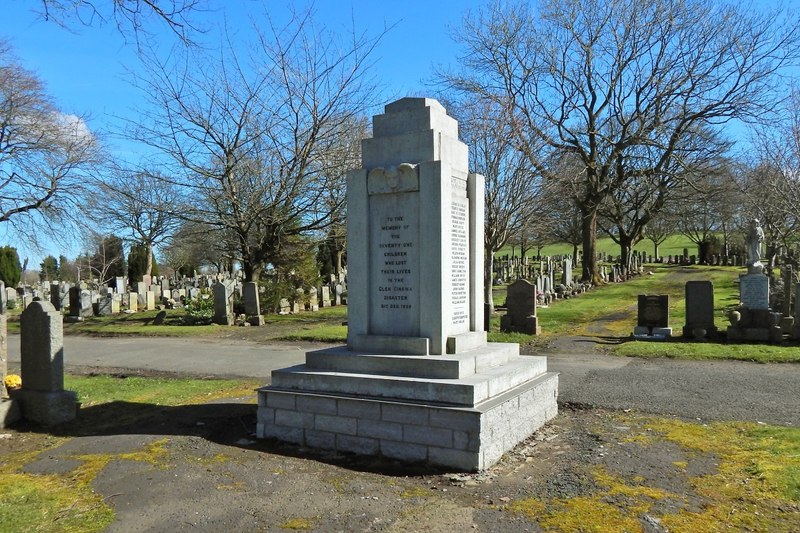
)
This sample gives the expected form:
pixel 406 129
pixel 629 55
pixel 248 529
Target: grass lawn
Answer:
pixel 610 311
pixel 67 501
pixel 674 245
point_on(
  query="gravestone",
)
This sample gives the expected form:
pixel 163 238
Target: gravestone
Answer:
pixel 325 299
pixel 11 296
pixel 699 310
pixel 652 317
pixel 108 305
pixel 417 380
pixel 313 302
pixel 155 289
pixel 338 290
pixel 42 397
pixel 754 291
pixel 796 326
pixel 520 314
pixel 754 320
pixel 9 408
pixel 566 276
pixel 133 302
pixel 298 304
pixel 223 304
pixel 55 295
pixel 150 301
pixel 252 307
pixel 80 303
pixel 159 318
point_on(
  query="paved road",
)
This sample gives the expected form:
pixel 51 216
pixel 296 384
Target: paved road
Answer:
pixel 695 389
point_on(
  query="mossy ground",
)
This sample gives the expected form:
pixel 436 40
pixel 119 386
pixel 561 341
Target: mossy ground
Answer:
pixel 67 502
pixel 676 475
pixel 589 470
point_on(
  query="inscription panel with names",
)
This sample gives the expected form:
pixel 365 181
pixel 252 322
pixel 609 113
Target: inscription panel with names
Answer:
pixel 754 291
pixel 394 264
pixel 459 256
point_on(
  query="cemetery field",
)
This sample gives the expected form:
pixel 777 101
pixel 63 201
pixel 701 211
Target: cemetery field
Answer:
pixel 326 325
pixel 673 245
pixel 607 314
pixel 150 451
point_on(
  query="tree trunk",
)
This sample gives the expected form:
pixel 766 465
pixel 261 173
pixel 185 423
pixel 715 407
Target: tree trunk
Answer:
pixel 589 233
pixel 487 280
pixel 625 252
pixel 148 269
pixel 339 256
pixel 251 269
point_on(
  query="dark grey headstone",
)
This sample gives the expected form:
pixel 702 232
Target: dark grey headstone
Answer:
pixel 699 309
pixel 653 311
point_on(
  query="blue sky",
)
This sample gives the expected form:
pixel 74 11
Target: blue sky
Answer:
pixel 86 70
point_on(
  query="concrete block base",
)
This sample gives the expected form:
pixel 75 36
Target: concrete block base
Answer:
pixel 695 331
pixel 465 422
pixel 9 412
pixel 529 325
pixel 772 334
pixel 646 333
pixel 47 408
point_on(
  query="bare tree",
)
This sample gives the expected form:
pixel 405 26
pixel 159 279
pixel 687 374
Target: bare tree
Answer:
pixel 510 192
pixel 104 258
pixel 45 155
pixel 765 196
pixel 198 245
pixel 708 208
pixel 660 227
pixel 599 78
pixel 139 205
pixel 131 17
pixel 771 185
pixel 258 149
pixel 626 211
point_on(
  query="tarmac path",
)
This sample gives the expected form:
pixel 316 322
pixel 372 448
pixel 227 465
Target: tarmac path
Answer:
pixel 705 390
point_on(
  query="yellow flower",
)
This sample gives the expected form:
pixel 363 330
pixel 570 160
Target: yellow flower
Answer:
pixel 12 381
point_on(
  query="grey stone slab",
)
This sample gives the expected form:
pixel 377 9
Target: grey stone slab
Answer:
pixel 47 408
pixel 42 348
pixel 341 359
pixel 467 391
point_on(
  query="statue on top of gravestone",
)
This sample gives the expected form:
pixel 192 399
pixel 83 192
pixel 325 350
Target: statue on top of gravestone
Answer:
pixel 754 239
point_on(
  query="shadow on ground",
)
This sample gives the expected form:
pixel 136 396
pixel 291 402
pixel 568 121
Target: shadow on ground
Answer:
pixel 228 424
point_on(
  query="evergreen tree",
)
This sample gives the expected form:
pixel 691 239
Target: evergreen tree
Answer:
pixel 50 270
pixel 10 269
pixel 137 261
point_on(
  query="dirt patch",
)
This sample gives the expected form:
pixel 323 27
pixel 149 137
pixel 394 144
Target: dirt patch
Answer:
pixel 199 468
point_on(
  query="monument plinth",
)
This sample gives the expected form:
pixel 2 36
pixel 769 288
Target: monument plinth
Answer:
pixel 417 380
pixel 754 320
